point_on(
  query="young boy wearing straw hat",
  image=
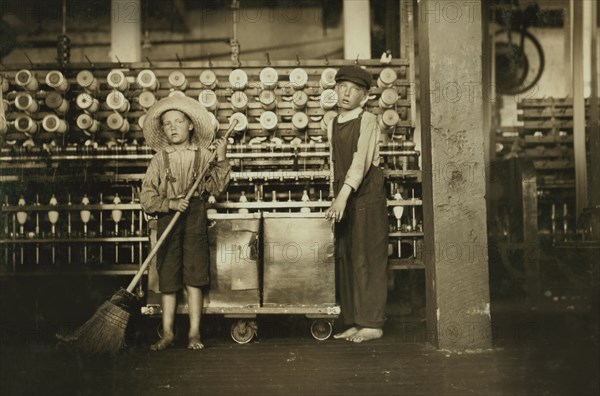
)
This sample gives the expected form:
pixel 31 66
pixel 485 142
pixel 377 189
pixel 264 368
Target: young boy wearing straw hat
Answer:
pixel 360 209
pixel 179 129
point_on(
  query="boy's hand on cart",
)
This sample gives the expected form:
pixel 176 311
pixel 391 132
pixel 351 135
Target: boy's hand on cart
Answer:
pixel 179 204
pixel 336 210
pixel 338 206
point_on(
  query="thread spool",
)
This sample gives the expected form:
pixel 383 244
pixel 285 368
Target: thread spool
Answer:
pixel 116 79
pixel 389 119
pixel 328 78
pixel 267 99
pixel 25 124
pixel 146 79
pixel 176 92
pixel 57 102
pixel 53 214
pixel 238 79
pixel 146 99
pixel 3 84
pixel 116 214
pixel 177 80
pixel 298 78
pixel 25 79
pixel 86 102
pixel 327 118
pixel 51 123
pixel 117 122
pixel 268 120
pixel 85 215
pixel 214 122
pixel 305 198
pixel 140 121
pixel 208 98
pixel 386 78
pixel 242 121
pixel 22 216
pixel 328 99
pixel 56 80
pixel 239 101
pixel 87 81
pixel 388 98
pixel 208 79
pixel 299 100
pixel 25 102
pixel 299 121
pixel 268 78
pixel 117 101
pixel 87 124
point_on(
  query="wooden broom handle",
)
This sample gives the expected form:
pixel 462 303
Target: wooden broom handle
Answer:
pixel 176 217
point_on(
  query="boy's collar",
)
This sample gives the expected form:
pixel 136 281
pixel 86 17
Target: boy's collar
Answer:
pixel 191 146
pixel 350 115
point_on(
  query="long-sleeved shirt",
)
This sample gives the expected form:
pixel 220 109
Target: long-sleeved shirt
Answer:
pixel 157 190
pixel 367 152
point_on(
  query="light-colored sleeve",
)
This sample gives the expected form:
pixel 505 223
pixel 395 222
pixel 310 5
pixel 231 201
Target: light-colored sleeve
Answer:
pixel 151 199
pixel 365 152
pixel 217 177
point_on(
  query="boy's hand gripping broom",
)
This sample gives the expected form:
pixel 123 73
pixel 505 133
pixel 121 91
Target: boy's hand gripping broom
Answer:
pixel 104 332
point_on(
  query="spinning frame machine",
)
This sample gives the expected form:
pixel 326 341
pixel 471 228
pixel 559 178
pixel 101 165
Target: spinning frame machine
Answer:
pixel 73 156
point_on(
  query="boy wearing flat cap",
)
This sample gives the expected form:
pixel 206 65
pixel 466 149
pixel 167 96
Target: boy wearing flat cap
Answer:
pixel 360 208
pixel 179 129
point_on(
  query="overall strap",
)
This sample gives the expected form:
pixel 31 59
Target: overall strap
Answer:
pixel 196 167
pixel 196 164
pixel 170 178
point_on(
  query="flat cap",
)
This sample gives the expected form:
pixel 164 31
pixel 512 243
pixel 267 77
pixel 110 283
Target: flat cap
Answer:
pixel 355 74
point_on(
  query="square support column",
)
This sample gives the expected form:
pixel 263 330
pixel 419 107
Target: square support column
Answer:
pixel 357 29
pixel 126 31
pixel 452 128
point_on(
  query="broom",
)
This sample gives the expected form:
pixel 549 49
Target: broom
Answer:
pixel 104 332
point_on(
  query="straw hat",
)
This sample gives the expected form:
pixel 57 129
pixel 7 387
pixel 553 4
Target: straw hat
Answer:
pixel 155 137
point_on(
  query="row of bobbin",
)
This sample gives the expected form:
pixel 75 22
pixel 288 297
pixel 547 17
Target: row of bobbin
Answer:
pixel 27 103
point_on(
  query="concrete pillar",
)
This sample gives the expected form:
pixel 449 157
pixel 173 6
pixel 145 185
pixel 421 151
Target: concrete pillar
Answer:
pixel 126 31
pixel 594 120
pixel 452 125
pixel 581 189
pixel 357 29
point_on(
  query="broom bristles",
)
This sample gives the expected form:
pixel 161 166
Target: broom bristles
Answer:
pixel 104 332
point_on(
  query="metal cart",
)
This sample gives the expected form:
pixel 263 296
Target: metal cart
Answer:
pixel 263 264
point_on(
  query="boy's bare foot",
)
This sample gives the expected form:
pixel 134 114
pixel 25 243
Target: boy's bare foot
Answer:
pixel 366 334
pixel 167 341
pixel 346 334
pixel 195 343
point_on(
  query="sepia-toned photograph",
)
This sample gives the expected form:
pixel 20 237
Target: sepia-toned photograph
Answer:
pixel 299 197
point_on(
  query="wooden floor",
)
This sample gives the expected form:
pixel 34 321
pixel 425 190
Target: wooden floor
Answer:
pixel 533 355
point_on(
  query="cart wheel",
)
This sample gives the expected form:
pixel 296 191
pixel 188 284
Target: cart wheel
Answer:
pixel 321 329
pixel 243 331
